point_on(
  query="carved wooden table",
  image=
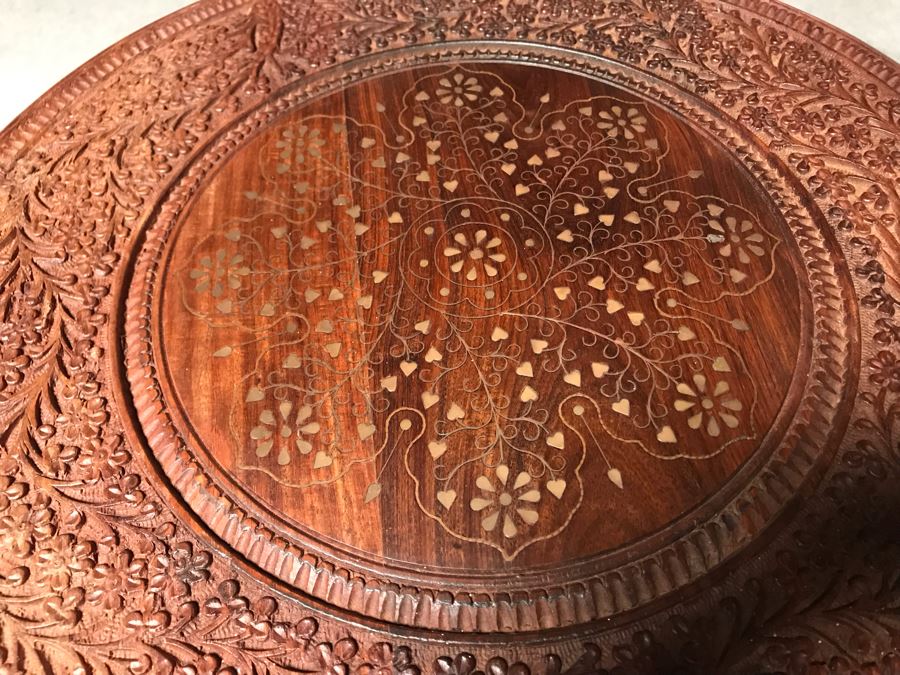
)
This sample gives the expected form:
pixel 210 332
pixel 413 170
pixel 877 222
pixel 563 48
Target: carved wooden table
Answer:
pixel 508 338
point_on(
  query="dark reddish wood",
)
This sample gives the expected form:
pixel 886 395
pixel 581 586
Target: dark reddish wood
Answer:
pixel 458 358
pixel 300 329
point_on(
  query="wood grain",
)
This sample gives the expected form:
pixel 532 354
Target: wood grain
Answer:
pixel 295 363
pixel 361 339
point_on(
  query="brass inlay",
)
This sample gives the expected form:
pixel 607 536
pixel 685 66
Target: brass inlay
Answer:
pixel 515 243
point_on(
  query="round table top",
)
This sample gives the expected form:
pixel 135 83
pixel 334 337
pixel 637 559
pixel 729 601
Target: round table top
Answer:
pixel 503 338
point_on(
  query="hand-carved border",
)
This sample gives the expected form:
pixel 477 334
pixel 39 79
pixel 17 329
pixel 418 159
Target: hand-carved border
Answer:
pixel 822 598
pixel 605 587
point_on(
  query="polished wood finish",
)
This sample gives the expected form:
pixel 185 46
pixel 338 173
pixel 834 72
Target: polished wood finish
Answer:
pixel 480 316
pixel 333 343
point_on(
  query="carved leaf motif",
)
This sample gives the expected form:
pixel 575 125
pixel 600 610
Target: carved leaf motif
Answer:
pixel 83 533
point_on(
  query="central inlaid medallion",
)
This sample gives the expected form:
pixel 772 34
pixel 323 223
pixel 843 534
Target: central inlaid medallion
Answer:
pixel 520 323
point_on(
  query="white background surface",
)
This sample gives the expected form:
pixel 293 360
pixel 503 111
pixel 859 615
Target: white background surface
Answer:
pixel 42 41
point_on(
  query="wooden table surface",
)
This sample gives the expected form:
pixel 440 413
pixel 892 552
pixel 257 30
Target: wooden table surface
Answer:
pixel 454 338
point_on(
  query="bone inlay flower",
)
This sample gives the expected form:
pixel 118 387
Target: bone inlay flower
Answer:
pixel 476 254
pixel 458 89
pixel 502 503
pixel 715 405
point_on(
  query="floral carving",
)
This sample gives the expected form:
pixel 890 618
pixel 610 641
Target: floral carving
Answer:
pixel 80 175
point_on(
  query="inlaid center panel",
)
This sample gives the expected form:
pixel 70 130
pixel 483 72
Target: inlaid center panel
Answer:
pixel 451 320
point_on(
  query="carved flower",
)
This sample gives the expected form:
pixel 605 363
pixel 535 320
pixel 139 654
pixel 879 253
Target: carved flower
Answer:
pixel 21 337
pixel 877 197
pixel 383 659
pixel 14 361
pixel 853 136
pixel 72 228
pixel 60 559
pixel 81 418
pixel 597 39
pixel 715 403
pixel 887 332
pixel 826 181
pixel 285 428
pixel 494 24
pixel 180 569
pixel 65 608
pixel 631 50
pixel 59 457
pixel 522 12
pixel 884 157
pixel 228 601
pixel 23 525
pixel 297 635
pixel 458 89
pixel 759 117
pixel 147 621
pixel 502 503
pixel 113 581
pixel 832 71
pixel 741 239
pixel 885 371
pixel 334 658
pixel 617 120
pixel 11 491
pixel 217 272
pixel 16 530
pixel 255 620
pixel 103 460
pixel 126 489
pixel 474 255
pixel 802 121
pixel 171 141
